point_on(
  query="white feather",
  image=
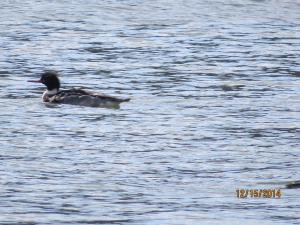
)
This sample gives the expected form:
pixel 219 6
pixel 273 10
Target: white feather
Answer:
pixel 49 93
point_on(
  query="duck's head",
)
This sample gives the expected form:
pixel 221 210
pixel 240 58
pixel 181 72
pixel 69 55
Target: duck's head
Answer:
pixel 49 79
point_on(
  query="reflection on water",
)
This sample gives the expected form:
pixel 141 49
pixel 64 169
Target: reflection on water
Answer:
pixel 214 108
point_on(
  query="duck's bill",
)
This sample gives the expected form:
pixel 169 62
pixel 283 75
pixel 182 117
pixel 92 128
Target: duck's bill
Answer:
pixel 35 81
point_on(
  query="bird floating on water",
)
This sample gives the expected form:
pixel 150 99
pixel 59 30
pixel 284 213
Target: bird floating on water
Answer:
pixel 74 96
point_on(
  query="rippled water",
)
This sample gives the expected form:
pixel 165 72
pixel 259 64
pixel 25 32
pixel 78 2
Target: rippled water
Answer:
pixel 215 108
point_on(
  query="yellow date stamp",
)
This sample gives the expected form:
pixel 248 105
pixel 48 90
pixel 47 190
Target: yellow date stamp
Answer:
pixel 258 193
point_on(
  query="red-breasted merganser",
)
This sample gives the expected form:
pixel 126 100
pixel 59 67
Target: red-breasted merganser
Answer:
pixel 74 96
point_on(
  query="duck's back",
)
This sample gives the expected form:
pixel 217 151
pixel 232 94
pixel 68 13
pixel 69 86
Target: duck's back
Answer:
pixel 85 97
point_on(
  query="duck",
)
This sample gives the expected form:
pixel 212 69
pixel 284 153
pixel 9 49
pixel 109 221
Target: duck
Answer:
pixel 74 96
pixel 295 184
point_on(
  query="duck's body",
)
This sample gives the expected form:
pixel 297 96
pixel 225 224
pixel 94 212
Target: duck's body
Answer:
pixel 75 96
pixel 82 97
pixel 295 184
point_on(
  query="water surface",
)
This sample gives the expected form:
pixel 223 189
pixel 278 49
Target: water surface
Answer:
pixel 215 108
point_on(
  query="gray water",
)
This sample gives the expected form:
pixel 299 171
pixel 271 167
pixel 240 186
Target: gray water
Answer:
pixel 214 88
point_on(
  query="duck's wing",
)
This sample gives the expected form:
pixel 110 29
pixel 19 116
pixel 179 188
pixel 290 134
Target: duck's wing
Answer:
pixel 81 92
pixel 80 95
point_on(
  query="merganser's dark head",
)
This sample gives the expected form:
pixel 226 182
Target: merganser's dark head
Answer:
pixel 50 79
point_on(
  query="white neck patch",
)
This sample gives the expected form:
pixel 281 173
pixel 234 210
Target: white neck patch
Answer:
pixel 52 92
